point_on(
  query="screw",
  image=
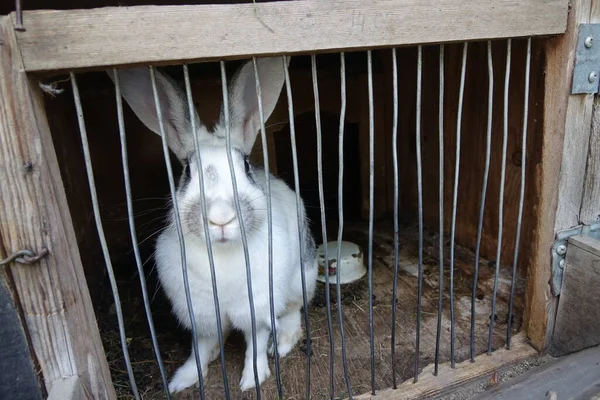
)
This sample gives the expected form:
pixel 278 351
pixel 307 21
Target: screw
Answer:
pixel 561 250
pixel 592 77
pixel 589 42
pixel 562 263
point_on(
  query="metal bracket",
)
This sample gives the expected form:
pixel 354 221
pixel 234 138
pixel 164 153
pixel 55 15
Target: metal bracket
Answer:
pixel 586 73
pixel 559 251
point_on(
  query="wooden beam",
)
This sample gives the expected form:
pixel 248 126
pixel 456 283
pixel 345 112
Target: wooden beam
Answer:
pixel 590 205
pixel 52 293
pixel 558 177
pixel 448 379
pixel 115 36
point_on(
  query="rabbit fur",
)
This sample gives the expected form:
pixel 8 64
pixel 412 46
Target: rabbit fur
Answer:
pixel 223 222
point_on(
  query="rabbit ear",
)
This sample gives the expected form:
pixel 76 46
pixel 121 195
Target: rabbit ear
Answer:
pixel 136 88
pixel 243 102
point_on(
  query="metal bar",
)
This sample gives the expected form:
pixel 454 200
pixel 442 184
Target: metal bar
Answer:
pixel 371 213
pixel 420 206
pixel 265 149
pixel 134 240
pixel 238 211
pixel 300 217
pixel 396 228
pixel 19 16
pixel 486 175
pixel 340 211
pixel 177 219
pixel 441 212
pixel 522 195
pixel 211 260
pixel 501 199
pixel 455 200
pixel 102 237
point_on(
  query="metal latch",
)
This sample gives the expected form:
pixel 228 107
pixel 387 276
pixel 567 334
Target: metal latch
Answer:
pixel 559 250
pixel 586 73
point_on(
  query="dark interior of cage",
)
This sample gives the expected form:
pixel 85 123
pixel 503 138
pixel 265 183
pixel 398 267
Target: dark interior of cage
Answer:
pixel 151 197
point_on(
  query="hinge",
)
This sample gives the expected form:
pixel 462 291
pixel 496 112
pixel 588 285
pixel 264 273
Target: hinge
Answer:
pixel 586 73
pixel 559 251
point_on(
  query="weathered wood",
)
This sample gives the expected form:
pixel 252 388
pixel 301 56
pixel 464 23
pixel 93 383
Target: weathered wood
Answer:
pixel 430 386
pixel 17 372
pixel 566 127
pixel 52 293
pixel 575 377
pixel 67 389
pixel 97 38
pixel 577 325
pixel 590 206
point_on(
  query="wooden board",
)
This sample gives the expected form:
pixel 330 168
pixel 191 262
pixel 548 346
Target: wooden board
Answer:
pixel 52 293
pixel 590 206
pixel 566 124
pixel 448 379
pixel 17 371
pixel 578 314
pixel 575 377
pixel 63 40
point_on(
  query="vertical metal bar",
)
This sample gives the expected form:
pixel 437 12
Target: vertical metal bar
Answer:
pixel 134 241
pixel 455 200
pixel 396 228
pixel 242 225
pixel 102 237
pixel 211 260
pixel 19 11
pixel 340 200
pixel 178 226
pixel 501 200
pixel 441 212
pixel 301 222
pixel 265 148
pixel 420 206
pixel 522 195
pixel 486 174
pixel 371 212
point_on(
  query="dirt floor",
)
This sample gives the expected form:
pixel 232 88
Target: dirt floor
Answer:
pixel 175 343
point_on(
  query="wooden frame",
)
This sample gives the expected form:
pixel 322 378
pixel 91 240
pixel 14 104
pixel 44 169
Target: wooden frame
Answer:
pixel 561 175
pixel 54 41
pixel 52 294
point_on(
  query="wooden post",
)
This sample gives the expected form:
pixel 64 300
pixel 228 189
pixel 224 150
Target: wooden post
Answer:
pixel 567 122
pixel 590 205
pixel 52 294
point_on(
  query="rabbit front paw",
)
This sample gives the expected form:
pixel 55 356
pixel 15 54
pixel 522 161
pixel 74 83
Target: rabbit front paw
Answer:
pixel 262 368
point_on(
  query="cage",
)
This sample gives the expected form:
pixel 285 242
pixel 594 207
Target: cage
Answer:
pixel 430 148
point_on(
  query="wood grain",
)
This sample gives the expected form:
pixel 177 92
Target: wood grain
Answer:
pixel 566 118
pixel 430 386
pixel 52 293
pixel 97 38
pixel 578 313
pixel 590 205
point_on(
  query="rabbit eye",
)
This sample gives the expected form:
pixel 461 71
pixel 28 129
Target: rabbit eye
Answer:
pixel 247 165
pixel 187 173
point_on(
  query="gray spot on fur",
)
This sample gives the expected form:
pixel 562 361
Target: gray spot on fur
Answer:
pixel 211 176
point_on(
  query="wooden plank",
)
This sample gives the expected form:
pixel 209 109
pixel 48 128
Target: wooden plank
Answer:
pixel 430 386
pixel 576 376
pixel 590 206
pixel 577 318
pixel 566 119
pixel 17 372
pixel 52 293
pixel 67 389
pixel 97 38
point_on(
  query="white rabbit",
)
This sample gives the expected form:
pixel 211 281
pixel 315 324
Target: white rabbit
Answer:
pixel 225 234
